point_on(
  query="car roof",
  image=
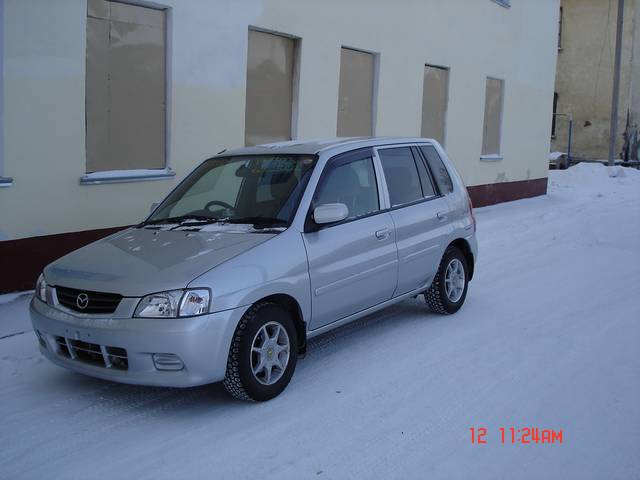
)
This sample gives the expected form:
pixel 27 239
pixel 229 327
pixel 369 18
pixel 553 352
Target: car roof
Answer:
pixel 312 147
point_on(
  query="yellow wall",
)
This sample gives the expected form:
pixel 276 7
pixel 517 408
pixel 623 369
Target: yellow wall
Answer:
pixel 584 78
pixel 44 64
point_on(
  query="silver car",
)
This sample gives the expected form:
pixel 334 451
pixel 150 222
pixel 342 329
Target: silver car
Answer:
pixel 255 252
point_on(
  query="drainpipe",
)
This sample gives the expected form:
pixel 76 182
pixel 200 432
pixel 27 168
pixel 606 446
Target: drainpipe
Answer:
pixel 615 97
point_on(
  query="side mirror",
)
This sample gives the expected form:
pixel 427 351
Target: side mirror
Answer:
pixel 330 213
pixel 154 205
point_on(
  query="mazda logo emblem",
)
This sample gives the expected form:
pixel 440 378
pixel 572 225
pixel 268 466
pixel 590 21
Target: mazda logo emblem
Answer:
pixel 82 301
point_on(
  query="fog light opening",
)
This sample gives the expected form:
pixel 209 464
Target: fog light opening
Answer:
pixel 41 339
pixel 167 361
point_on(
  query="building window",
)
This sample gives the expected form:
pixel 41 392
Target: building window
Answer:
pixel 434 102
pixel 553 118
pixel 125 87
pixel 493 106
pixel 560 30
pixel 270 88
pixel 356 93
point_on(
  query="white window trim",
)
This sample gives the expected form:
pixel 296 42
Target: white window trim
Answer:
pixel 139 175
pixel 125 176
pixel 496 157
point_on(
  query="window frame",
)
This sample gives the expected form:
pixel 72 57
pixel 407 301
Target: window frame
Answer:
pixel 381 182
pixel 338 160
pixel 374 84
pixel 415 162
pixel 554 115
pixel 446 101
pixel 419 157
pixel 295 77
pixel 389 208
pixel 493 157
pixel 141 174
pixel 560 25
pixel 433 178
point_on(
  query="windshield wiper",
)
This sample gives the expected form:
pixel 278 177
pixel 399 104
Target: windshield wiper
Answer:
pixel 260 222
pixel 179 220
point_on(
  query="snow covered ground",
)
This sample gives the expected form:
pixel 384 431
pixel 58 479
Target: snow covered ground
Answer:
pixel 549 338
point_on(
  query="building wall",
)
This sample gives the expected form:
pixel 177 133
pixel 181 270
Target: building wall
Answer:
pixel 584 77
pixel 44 93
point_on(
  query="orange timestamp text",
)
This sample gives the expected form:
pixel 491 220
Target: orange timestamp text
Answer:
pixel 518 436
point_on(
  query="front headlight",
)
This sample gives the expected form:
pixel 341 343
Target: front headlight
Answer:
pixel 41 288
pixel 173 304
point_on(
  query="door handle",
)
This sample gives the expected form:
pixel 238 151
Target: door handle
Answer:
pixel 441 216
pixel 382 234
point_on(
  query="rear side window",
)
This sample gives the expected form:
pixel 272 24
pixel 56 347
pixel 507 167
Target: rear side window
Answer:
pixel 401 173
pixel 428 189
pixel 353 184
pixel 439 171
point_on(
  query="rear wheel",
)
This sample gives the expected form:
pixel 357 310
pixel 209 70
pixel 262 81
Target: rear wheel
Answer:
pixel 449 287
pixel 263 353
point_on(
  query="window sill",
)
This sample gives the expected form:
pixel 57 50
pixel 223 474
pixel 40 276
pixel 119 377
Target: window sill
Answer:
pixel 125 176
pixel 6 182
pixel 491 158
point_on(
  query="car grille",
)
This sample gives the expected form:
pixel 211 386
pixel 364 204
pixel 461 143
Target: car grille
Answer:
pixel 98 355
pixel 97 302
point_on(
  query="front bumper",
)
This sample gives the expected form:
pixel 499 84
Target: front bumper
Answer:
pixel 202 343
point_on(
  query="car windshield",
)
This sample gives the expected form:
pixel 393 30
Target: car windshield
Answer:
pixel 261 190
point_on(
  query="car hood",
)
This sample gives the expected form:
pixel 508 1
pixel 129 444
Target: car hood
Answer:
pixel 137 261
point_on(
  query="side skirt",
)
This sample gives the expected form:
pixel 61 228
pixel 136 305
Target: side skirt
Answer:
pixel 368 311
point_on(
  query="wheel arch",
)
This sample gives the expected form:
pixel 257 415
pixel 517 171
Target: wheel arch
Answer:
pixel 291 305
pixel 465 248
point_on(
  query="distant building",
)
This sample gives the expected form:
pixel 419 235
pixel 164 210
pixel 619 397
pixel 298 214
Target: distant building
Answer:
pixel 584 78
pixel 106 105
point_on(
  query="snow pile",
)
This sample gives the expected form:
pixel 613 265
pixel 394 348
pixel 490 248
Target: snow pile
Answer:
pixel 589 177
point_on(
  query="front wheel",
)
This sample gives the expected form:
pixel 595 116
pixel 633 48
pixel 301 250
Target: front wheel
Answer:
pixel 263 353
pixel 449 287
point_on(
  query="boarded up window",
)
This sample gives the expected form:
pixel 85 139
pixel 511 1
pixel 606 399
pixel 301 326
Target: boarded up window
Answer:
pixel 434 102
pixel 492 117
pixel 269 102
pixel 355 102
pixel 125 86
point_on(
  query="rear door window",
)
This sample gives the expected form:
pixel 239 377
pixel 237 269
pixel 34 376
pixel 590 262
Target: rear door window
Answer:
pixel 401 173
pixel 439 171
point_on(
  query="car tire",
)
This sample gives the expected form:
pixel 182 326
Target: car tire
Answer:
pixel 257 342
pixel 449 287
